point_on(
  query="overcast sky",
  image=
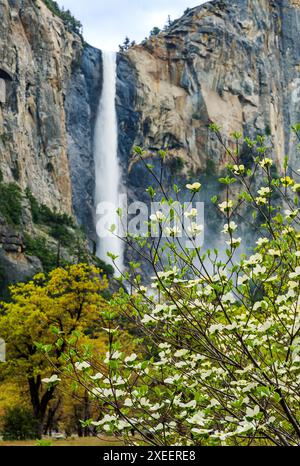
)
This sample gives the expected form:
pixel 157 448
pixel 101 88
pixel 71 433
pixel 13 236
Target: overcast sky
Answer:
pixel 107 22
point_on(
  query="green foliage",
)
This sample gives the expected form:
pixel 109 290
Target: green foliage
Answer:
pixel 211 169
pixel 168 24
pixel 44 443
pixel 38 247
pixel 43 215
pixel 107 268
pixel 62 234
pixel 40 311
pixel 126 44
pixel 19 424
pixel 34 206
pixel 11 203
pixel 216 360
pixel 176 164
pixel 71 23
pixel 155 31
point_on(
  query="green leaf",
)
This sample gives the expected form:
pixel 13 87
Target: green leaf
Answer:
pixel 214 127
pixel 112 256
pixel 59 342
pixel 151 192
pixel 236 135
pixel 138 150
pixel 163 154
pixel 55 330
pixel 277 397
pixel 227 180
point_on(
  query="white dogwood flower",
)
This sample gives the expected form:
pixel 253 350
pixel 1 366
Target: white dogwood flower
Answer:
pixel 192 213
pixel 175 231
pixel 262 241
pixel 266 162
pixel 194 187
pixel 195 229
pixel 53 379
pixel 238 169
pixel 80 366
pixel 131 358
pixel 229 228
pixel 234 242
pixel 157 217
pixel 226 206
pixel 264 191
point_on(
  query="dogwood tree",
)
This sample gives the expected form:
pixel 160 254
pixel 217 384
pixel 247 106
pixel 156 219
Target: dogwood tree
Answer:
pixel 217 353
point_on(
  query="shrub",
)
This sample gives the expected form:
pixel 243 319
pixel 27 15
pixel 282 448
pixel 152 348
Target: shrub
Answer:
pixel 62 235
pixel 34 206
pixel 155 31
pixel 219 360
pixel 19 424
pixel 38 247
pixel 11 203
pixel 106 268
pixel 69 20
pixel 43 215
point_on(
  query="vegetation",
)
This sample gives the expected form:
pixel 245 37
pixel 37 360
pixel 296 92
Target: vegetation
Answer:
pixel 155 31
pixel 168 24
pixel 67 301
pixel 216 361
pixel 69 442
pixel 207 353
pixel 10 202
pixel 71 23
pixel 61 228
pixel 19 424
pixel 126 44
pixel 39 247
pixel 106 268
pixel 43 215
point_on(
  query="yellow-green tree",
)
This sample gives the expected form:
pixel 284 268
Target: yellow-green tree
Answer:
pixel 67 300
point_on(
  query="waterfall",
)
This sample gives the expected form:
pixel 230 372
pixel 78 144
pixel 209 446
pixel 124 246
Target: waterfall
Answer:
pixel 107 168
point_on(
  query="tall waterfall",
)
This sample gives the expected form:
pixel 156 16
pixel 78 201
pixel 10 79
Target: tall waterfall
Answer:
pixel 108 171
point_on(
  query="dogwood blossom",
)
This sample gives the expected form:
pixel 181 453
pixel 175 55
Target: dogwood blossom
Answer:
pixel 158 217
pixel 229 228
pixel 226 206
pixel 192 213
pixel 266 162
pixel 50 380
pixel 194 187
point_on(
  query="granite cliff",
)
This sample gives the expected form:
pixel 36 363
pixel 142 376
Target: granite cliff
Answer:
pixel 235 62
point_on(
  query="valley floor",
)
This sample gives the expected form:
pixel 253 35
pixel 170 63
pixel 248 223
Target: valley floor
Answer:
pixel 72 442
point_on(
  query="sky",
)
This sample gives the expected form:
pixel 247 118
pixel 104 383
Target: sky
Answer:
pixel 106 23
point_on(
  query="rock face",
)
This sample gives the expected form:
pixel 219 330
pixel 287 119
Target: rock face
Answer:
pixel 236 63
pixel 83 95
pixel 14 264
pixel 50 84
pixel 37 55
